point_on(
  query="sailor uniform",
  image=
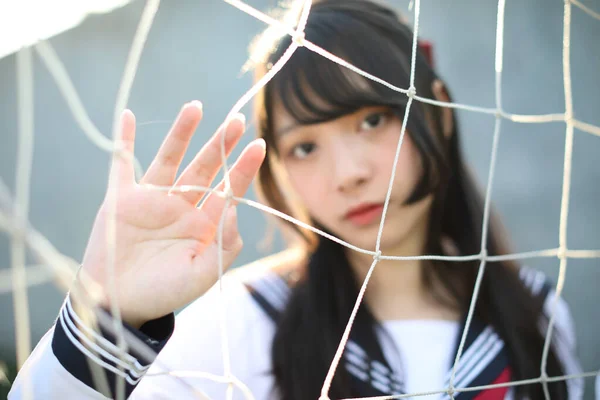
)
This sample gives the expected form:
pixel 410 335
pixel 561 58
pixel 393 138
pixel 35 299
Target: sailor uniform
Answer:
pixel 190 351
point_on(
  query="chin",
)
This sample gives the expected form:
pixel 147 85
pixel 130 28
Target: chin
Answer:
pixel 394 241
pixel 365 237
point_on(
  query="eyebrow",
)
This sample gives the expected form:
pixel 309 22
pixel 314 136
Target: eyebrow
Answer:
pixel 283 131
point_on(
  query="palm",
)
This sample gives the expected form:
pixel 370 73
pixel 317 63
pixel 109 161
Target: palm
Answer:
pixel 165 248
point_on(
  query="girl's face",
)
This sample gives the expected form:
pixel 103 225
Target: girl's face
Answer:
pixel 340 171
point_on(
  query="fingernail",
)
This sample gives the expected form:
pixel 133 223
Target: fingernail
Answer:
pixel 261 142
pixel 241 117
pixel 196 103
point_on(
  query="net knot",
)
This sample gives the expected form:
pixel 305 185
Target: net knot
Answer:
pixel 451 392
pixel 561 253
pixel 299 38
pixel 569 118
pixel 412 92
pixel 484 254
pixel 228 193
pixel 377 256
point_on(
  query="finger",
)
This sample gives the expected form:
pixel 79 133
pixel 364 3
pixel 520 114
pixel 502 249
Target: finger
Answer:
pixel 163 169
pixel 241 175
pixel 231 240
pixel 205 166
pixel 206 266
pixel 121 170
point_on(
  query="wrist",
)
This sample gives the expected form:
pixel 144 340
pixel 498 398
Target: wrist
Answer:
pixel 80 343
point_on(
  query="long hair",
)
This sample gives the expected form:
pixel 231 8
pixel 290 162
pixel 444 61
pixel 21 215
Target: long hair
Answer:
pixel 312 90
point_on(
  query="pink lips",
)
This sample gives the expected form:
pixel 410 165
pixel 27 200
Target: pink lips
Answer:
pixel 365 214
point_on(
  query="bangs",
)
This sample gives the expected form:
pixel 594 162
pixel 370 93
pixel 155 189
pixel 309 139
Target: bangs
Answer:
pixel 313 89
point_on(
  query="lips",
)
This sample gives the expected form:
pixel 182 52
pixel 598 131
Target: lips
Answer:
pixel 364 214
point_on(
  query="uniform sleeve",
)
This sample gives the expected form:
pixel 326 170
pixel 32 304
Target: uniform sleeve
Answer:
pixel 215 332
pixel 73 360
pixel 186 362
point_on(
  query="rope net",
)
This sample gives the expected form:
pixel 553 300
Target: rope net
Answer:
pixel 55 266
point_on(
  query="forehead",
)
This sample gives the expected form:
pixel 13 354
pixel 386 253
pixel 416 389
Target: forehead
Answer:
pixel 282 121
pixel 287 125
pixel 305 103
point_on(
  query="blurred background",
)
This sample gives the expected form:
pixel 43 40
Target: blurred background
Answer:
pixel 196 49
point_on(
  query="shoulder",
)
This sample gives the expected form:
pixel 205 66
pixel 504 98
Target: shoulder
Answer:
pixel 269 281
pixel 236 288
pixel 540 285
pixel 224 327
pixel 554 307
pixel 564 336
pixel 227 316
pixel 285 264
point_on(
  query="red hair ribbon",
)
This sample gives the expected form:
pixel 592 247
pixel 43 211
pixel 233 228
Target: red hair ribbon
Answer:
pixel 426 48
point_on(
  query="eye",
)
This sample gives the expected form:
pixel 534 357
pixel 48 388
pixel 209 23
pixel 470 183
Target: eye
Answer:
pixel 302 150
pixel 373 121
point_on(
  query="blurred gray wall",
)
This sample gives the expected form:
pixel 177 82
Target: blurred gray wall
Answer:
pixel 195 51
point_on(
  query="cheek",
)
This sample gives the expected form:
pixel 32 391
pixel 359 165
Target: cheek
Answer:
pixel 408 167
pixel 308 188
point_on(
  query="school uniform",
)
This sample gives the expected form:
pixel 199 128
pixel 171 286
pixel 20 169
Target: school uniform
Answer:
pixel 412 357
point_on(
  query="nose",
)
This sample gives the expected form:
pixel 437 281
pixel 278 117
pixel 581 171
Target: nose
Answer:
pixel 351 168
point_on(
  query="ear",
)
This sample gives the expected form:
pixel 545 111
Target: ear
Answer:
pixel 440 93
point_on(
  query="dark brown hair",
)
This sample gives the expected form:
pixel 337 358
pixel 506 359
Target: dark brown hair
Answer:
pixel 312 90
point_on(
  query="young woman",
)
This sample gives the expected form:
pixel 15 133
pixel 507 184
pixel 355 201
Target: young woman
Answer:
pixel 331 137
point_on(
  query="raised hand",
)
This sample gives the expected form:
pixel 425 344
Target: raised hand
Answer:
pixel 166 246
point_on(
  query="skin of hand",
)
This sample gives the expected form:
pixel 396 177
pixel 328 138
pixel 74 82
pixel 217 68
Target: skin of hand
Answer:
pixel 165 245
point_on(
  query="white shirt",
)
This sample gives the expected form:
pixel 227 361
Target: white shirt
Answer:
pixel 424 350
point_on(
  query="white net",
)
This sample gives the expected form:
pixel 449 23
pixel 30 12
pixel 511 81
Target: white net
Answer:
pixel 56 266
